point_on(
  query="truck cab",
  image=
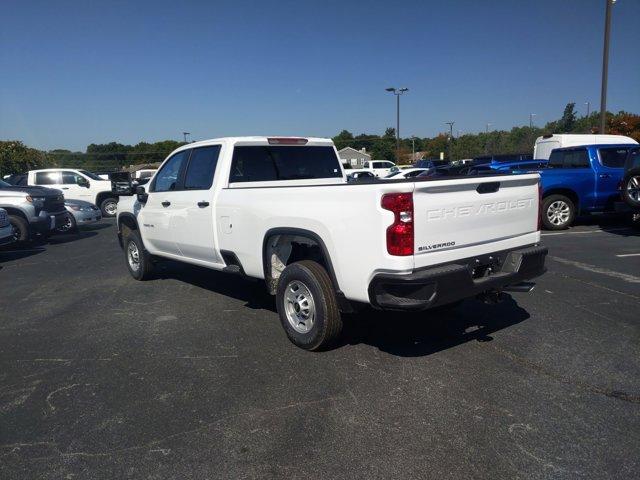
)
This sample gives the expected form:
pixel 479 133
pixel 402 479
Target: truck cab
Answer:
pixel 581 180
pixel 78 184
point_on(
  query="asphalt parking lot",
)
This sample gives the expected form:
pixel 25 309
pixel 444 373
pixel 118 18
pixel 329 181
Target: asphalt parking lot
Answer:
pixel 191 376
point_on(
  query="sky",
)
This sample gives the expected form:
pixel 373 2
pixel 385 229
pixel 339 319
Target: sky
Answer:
pixel 75 73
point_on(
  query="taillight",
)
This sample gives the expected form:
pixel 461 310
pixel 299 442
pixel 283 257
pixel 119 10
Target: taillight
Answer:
pixel 400 232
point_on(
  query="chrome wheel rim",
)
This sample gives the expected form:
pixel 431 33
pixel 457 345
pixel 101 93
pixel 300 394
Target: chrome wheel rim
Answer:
pixel 17 233
pixel 133 256
pixel 633 188
pixel 558 212
pixel 299 306
pixel 111 208
pixel 66 227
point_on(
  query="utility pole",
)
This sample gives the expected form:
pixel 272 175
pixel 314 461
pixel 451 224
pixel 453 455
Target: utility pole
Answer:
pixel 397 92
pixel 184 136
pixel 531 115
pixel 450 136
pixel 487 129
pixel 588 104
pixel 605 66
pixel 413 148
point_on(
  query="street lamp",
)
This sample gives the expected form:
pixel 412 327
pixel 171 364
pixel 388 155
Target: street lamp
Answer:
pixel 488 125
pixel 605 65
pixel 588 104
pixel 450 136
pixel 413 148
pixel 397 92
pixel 184 136
pixel 531 115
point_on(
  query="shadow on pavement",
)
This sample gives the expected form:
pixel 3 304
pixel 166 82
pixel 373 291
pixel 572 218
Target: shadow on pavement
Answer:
pixel 397 333
pixel 424 333
pixel 13 252
pixel 616 224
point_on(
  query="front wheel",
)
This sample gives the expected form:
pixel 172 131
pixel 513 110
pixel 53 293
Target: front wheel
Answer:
pixel 558 212
pixel 307 305
pixel 20 228
pixel 109 207
pixel 138 259
pixel 69 226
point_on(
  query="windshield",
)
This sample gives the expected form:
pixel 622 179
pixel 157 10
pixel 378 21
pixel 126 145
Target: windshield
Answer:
pixel 393 174
pixel 92 176
pixel 4 184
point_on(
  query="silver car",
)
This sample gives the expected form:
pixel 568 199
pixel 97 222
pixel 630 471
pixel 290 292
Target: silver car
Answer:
pixel 82 213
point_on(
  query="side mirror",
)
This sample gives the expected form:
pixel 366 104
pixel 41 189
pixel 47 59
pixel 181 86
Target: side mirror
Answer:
pixel 83 182
pixel 142 194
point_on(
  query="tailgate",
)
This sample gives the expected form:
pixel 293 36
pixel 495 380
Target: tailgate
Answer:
pixel 472 212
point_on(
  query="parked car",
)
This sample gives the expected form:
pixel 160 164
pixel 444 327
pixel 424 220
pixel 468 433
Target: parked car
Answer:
pixel 630 187
pixel 78 185
pixel 80 213
pixel 547 143
pixel 380 168
pixel 581 180
pixel 6 230
pixel 405 173
pixel 280 209
pixel 32 210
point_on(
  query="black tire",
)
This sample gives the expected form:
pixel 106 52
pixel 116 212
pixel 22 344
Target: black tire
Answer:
pixel 555 201
pixel 105 207
pixel 20 228
pixel 631 188
pixel 70 227
pixel 327 322
pixel 144 268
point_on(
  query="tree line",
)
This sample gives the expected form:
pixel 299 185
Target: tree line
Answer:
pixel 15 157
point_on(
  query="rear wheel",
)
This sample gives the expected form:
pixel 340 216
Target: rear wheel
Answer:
pixel 307 305
pixel 20 228
pixel 109 207
pixel 558 212
pixel 631 188
pixel 138 259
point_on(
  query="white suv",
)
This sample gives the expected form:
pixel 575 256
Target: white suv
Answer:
pixel 380 168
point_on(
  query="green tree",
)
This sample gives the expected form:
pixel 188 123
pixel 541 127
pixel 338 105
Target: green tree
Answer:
pixel 15 157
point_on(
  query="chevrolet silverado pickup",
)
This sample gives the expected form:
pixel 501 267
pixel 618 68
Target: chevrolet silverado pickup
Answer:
pixel 280 209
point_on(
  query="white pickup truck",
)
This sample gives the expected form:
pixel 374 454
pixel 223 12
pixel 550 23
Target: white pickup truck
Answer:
pixel 280 209
pixel 78 184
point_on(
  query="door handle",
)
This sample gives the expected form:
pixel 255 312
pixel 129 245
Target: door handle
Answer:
pixel 203 204
pixel 65 188
pixel 605 175
pixel 166 204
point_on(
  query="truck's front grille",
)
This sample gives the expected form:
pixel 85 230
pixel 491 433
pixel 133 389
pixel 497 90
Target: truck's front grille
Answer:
pixel 53 204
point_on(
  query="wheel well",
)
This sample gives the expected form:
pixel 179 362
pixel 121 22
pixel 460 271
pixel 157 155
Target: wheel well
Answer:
pixel 102 196
pixel 283 248
pixel 126 223
pixel 570 194
pixel 15 211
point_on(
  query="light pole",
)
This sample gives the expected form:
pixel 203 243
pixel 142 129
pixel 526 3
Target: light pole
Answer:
pixel 531 115
pixel 605 65
pixel 450 136
pixel 487 129
pixel 184 136
pixel 588 104
pixel 397 92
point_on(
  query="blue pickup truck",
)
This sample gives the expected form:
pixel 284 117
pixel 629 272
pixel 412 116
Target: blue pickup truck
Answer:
pixel 581 180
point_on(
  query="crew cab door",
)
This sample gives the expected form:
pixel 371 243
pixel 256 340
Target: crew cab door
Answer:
pixel 193 211
pixel 609 166
pixel 154 218
pixel 571 169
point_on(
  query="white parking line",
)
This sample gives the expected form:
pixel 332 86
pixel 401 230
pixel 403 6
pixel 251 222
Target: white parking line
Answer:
pixel 584 232
pixel 629 255
pixel 593 268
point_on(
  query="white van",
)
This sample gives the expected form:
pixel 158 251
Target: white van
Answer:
pixel 545 144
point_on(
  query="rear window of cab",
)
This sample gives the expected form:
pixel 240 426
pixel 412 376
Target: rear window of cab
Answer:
pixel 264 163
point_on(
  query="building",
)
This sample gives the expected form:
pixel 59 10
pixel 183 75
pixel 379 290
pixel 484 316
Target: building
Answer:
pixel 354 158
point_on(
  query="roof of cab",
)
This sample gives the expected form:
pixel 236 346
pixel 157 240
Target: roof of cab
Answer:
pixel 258 140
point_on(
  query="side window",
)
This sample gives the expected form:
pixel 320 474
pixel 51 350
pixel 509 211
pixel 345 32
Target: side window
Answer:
pixel 252 165
pixel 202 166
pixel 578 159
pixel 70 178
pixel 613 157
pixel 47 178
pixel 634 159
pixel 169 175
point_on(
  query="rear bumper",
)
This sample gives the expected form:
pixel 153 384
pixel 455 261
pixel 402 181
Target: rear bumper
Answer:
pixel 443 284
